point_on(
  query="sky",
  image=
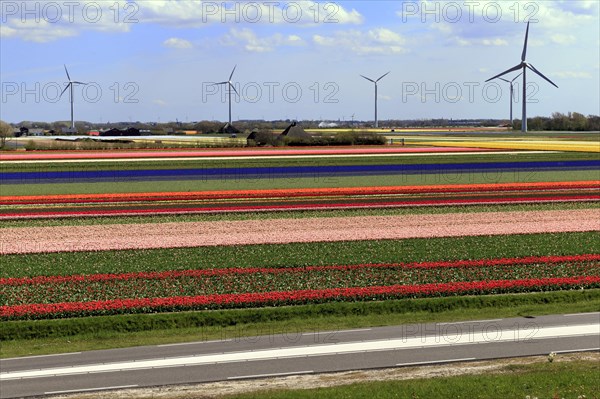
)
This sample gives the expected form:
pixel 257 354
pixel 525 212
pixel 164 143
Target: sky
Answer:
pixel 158 60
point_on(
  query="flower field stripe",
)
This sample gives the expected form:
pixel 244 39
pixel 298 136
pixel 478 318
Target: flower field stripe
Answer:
pixel 15 240
pixel 544 145
pixel 235 271
pixel 291 297
pixel 280 172
pixel 297 192
pixel 25 214
pixel 116 154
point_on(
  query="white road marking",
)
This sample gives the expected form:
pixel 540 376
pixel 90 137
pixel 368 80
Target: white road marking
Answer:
pixel 578 350
pixel 270 375
pixel 90 389
pixel 261 157
pixel 428 341
pixel 471 321
pixel 195 343
pixel 580 314
pixel 39 356
pixel 338 331
pixel 466 359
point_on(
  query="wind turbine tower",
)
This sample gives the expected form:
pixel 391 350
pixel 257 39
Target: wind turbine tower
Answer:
pixel 523 66
pixel 230 86
pixel 375 83
pixel 511 83
pixel 70 86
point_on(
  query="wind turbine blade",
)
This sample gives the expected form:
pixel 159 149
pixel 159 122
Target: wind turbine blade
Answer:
pixel 80 83
pixel 220 83
pixel 541 74
pixel 67 71
pixel 233 87
pixel 371 80
pixel 525 45
pixel 231 76
pixel 515 78
pixel 504 80
pixel 65 89
pixel 382 76
pixel 515 68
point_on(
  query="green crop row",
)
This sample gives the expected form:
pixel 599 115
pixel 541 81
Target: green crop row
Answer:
pixel 412 309
pixel 299 254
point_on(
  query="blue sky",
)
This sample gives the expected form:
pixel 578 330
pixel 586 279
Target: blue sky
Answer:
pixel 154 60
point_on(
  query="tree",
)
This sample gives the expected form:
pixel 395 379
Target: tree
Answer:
pixel 6 131
pixel 579 121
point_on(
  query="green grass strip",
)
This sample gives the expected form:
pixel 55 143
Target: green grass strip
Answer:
pixel 300 254
pixel 569 379
pixel 23 338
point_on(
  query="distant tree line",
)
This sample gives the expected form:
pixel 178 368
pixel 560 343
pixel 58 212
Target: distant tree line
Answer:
pixel 572 121
pixel 6 131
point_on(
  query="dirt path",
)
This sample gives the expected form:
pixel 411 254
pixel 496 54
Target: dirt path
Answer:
pixel 281 231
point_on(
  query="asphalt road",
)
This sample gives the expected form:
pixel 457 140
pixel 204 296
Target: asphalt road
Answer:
pixel 298 353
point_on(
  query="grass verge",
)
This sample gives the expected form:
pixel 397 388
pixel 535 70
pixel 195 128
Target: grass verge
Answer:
pixel 561 379
pixel 26 338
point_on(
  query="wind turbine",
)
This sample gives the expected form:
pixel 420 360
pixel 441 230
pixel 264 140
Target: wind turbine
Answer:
pixel 510 82
pixel 70 85
pixel 375 82
pixel 231 86
pixel 523 66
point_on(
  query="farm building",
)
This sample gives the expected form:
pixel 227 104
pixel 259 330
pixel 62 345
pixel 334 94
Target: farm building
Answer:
pixel 131 131
pixel 295 132
pixel 229 129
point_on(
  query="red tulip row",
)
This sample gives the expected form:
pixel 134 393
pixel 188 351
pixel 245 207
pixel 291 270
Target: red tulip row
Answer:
pixel 224 152
pixel 170 274
pixel 277 298
pixel 297 192
pixel 289 207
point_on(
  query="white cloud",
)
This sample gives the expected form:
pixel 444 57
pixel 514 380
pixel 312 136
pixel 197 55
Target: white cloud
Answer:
pixel 251 42
pixel 375 41
pixel 32 31
pixel 198 13
pixel 177 43
pixel 159 102
pixel 494 42
pixel 44 21
pixel 563 39
pixel 479 42
pixel 572 75
pixel 555 21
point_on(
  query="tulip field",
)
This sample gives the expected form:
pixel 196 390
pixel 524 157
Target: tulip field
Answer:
pixel 96 234
pixel 67 296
